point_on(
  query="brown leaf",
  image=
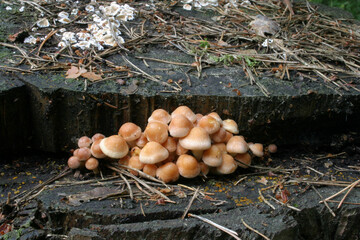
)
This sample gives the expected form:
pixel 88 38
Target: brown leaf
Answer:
pixel 264 26
pixel 75 72
pixel 262 180
pixel 91 76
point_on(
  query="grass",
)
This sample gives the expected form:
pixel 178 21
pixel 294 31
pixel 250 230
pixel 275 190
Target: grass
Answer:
pixel 352 6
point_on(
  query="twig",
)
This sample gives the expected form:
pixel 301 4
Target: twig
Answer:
pixel 128 186
pixel 341 191
pixel 165 61
pixel 254 230
pixel 222 228
pixel 190 203
pixel 326 204
pixel 240 180
pixel 350 203
pixel 46 38
pixel 15 69
pixel 284 204
pixel 347 193
pixel 266 201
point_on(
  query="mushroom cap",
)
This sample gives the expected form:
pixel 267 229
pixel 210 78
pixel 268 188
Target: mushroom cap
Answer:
pixel 216 116
pixel 257 149
pixel 153 152
pixel 243 158
pixel 83 153
pixel 130 131
pixel 204 168
pixel 156 132
pixel 188 166
pixel 170 144
pixel 97 136
pixel 114 146
pixel 228 165
pixel 230 126
pixel 180 149
pixel 135 151
pixel 168 172
pixel 212 156
pixel 124 160
pixel 96 150
pixel 219 136
pixel 150 169
pixel 272 148
pixel 160 115
pixel 197 139
pixel 221 146
pixel 92 164
pixel 180 126
pixel 237 144
pixel 141 141
pixel 135 162
pixel 84 141
pixel 74 162
pixel 186 111
pixel 210 124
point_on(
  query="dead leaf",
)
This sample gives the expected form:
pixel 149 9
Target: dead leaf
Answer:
pixel 262 180
pixel 91 76
pixel 263 26
pixel 75 72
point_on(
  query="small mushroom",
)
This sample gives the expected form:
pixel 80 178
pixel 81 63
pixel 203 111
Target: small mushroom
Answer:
pixel 257 149
pixel 243 158
pixel 230 126
pixel 96 150
pixel 160 115
pixel 272 148
pixel 83 153
pixel 168 172
pixel 135 162
pixel 150 169
pixel 92 164
pixel 114 146
pixel 212 156
pixel 97 136
pixel 84 141
pixel 197 139
pixel 185 111
pixel 153 152
pixel 188 166
pixel 156 132
pixel 180 126
pixel 170 144
pixel 237 144
pixel 141 141
pixel 130 131
pixel 219 136
pixel 210 124
pixel 227 166
pixel 74 162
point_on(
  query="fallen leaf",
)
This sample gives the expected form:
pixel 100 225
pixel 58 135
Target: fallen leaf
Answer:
pixel 262 180
pixel 75 72
pixel 264 26
pixel 91 76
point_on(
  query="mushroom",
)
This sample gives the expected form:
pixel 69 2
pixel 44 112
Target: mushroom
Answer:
pixel 197 139
pixel 257 149
pixel 124 160
pixel 185 111
pixel 135 151
pixel 141 141
pixel 135 162
pixel 212 156
pixel 74 162
pixel 130 131
pixel 152 153
pixel 156 132
pixel 230 126
pixel 92 164
pixel 204 169
pixel 227 166
pixel 216 116
pixel 180 126
pixel 243 158
pixel 150 169
pixel 97 136
pixel 170 144
pixel 160 115
pixel 83 153
pixel 219 136
pixel 168 172
pixel 84 141
pixel 180 150
pixel 237 144
pixel 114 146
pixel 96 150
pixel 188 166
pixel 272 148
pixel 210 124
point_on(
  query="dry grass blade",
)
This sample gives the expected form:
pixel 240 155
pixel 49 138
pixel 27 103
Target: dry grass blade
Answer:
pixel 326 204
pixel 347 193
pixel 190 203
pixel 222 228
pixel 254 230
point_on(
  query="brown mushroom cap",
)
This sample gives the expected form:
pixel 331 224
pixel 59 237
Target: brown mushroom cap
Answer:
pixel 228 165
pixel 188 166
pixel 230 126
pixel 74 162
pixel 91 164
pixel 272 148
pixel 216 116
pixel 114 146
pixel 204 168
pixel 257 149
pixel 170 144
pixel 96 150
pixel 212 156
pixel 156 132
pixel 219 136
pixel 237 144
pixel 210 124
pixel 135 162
pixel 180 149
pixel 150 169
pixel 160 115
pixel 83 153
pixel 180 126
pixel 243 158
pixel 97 136
pixel 168 172
pixel 141 141
pixel 186 111
pixel 152 153
pixel 130 131
pixel 197 139
pixel 84 141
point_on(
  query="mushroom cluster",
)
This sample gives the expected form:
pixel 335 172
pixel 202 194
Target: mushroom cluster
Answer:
pixel 172 145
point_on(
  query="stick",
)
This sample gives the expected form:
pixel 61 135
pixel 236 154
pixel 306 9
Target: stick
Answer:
pixel 347 193
pixel 254 230
pixel 284 204
pixel 222 228
pixel 190 203
pixel 266 201
pixel 326 204
pixel 128 186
